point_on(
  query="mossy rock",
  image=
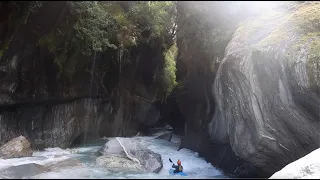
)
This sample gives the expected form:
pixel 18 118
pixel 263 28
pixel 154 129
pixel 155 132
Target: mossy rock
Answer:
pixel 289 30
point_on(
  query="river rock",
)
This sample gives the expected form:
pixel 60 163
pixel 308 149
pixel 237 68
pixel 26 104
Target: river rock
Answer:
pixel 23 171
pixel 307 167
pixel 17 147
pixel 112 147
pixel 119 163
pixel 166 136
pixel 130 153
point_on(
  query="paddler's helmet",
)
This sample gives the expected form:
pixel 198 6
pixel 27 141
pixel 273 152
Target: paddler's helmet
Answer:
pixel 179 162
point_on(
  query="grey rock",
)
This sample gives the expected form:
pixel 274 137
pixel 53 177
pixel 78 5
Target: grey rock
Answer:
pixel 192 100
pixel 165 136
pixel 35 100
pixel 23 171
pixel 262 107
pixel 266 107
pixel 126 152
pixel 151 161
pixel 112 147
pixel 119 163
pixel 17 147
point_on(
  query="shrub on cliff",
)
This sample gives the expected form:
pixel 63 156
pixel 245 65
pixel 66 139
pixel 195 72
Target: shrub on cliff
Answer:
pixel 169 70
pixel 92 26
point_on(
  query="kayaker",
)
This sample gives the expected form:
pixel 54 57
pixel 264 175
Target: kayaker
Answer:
pixel 178 168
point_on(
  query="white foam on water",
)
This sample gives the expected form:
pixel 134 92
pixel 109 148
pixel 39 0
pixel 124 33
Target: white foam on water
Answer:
pixel 49 155
pixel 193 165
pixel 91 149
pixel 50 152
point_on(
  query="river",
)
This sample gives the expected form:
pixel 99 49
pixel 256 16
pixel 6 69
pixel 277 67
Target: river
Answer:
pixel 80 162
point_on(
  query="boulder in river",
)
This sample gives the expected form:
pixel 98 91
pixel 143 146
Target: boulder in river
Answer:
pixel 128 153
pixel 17 147
pixel 23 171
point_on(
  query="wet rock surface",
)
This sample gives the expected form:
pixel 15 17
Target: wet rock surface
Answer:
pixel 23 171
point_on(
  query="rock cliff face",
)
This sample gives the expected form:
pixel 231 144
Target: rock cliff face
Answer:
pixel 105 98
pixel 247 98
pixel 197 64
pixel 267 94
pixel 261 112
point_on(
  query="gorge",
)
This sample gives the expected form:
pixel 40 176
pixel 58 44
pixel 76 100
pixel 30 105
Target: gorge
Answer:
pixel 240 83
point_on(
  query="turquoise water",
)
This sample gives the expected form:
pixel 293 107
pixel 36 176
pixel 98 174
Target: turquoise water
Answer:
pixel 80 162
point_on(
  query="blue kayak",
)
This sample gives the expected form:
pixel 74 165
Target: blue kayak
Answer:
pixel 171 172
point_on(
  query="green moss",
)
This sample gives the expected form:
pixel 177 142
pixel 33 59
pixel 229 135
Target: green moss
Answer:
pixel 274 28
pixel 307 39
pixel 306 18
pixel 311 43
pixel 306 22
pixel 298 29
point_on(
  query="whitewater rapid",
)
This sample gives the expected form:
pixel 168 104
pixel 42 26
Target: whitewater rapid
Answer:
pixel 80 162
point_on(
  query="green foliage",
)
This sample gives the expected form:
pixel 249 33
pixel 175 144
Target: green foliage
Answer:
pixel 169 70
pixel 155 16
pixel 93 26
pixel 166 78
pixel 87 27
